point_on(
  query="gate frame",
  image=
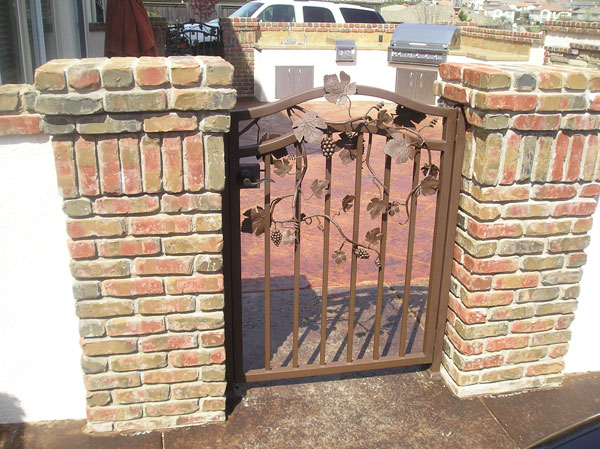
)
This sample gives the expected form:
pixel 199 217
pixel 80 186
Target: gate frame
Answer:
pixel 448 193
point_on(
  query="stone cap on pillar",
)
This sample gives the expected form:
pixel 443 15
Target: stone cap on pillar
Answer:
pixel 120 95
pixel 90 86
pixel 523 97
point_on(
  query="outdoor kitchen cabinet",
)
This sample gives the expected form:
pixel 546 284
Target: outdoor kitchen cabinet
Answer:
pixel 290 80
pixel 416 83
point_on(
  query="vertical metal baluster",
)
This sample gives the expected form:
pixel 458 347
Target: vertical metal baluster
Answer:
pixel 268 264
pixel 355 234
pixel 326 232
pixel 382 250
pixel 450 174
pixel 299 151
pixel 409 255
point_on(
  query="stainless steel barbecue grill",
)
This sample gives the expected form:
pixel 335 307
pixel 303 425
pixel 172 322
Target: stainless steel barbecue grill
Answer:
pixel 416 51
pixel 420 44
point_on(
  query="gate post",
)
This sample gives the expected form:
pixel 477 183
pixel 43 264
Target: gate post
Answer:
pixel 139 152
pixel 529 189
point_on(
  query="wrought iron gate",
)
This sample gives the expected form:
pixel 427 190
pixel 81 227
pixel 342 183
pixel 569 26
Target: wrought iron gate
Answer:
pixel 194 38
pixel 405 143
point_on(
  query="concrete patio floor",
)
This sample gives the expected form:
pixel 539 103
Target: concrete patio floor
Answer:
pixel 389 409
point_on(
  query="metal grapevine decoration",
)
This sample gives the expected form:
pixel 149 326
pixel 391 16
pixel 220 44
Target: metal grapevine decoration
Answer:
pixel 404 142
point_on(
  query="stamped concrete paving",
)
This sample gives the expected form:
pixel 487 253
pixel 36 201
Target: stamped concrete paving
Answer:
pixel 391 409
pixel 336 325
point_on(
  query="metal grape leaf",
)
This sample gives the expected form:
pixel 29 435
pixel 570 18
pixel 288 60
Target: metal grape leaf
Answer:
pixel 408 117
pixel 338 90
pixel 376 207
pixel 347 156
pixel 309 127
pixel 277 154
pixel 399 147
pixel 255 221
pixel 429 185
pixel 382 118
pixel 339 257
pixel 374 236
pixel 347 140
pixel 320 187
pixel 347 203
pixel 288 237
pixel 393 208
pixel 282 167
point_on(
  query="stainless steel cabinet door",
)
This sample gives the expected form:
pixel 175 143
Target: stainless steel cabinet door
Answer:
pixel 284 81
pixel 405 82
pixel 304 78
pixel 424 86
pixel 290 80
pixel 416 84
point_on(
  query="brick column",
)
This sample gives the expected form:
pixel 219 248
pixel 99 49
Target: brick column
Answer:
pixel 529 189
pixel 239 38
pixel 17 114
pixel 139 152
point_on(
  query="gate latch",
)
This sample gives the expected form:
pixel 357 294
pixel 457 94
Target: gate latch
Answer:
pixel 249 176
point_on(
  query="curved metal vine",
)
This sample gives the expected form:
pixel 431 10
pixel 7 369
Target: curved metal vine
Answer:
pixel 403 143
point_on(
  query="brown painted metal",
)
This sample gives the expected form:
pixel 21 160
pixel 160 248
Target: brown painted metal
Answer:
pixel 355 231
pixel 449 149
pixel 268 264
pixel 382 250
pixel 232 264
pixel 337 367
pixel 324 285
pixel 409 256
pixel 439 255
pixel 449 241
pixel 297 213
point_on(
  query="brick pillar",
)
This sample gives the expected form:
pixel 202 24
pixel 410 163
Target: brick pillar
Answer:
pixel 239 38
pixel 529 189
pixel 139 152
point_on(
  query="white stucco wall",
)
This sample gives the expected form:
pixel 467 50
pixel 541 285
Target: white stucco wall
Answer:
pixel 554 39
pixel 371 68
pixel 40 375
pixel 583 352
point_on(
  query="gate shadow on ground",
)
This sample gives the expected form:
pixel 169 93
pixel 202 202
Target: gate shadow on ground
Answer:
pixel 240 391
pixel 278 283
pixel 309 325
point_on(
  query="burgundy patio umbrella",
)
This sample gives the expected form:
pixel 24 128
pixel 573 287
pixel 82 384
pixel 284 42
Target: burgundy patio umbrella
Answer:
pixel 128 29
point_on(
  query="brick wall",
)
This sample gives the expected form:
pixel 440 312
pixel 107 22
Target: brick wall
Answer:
pixel 572 43
pixel 138 146
pixel 17 113
pixel 239 38
pixel 576 54
pixel 572 26
pixel 503 35
pixel 529 189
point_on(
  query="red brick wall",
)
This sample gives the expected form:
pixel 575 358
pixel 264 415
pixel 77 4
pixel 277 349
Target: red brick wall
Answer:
pixel 530 186
pixel 139 153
